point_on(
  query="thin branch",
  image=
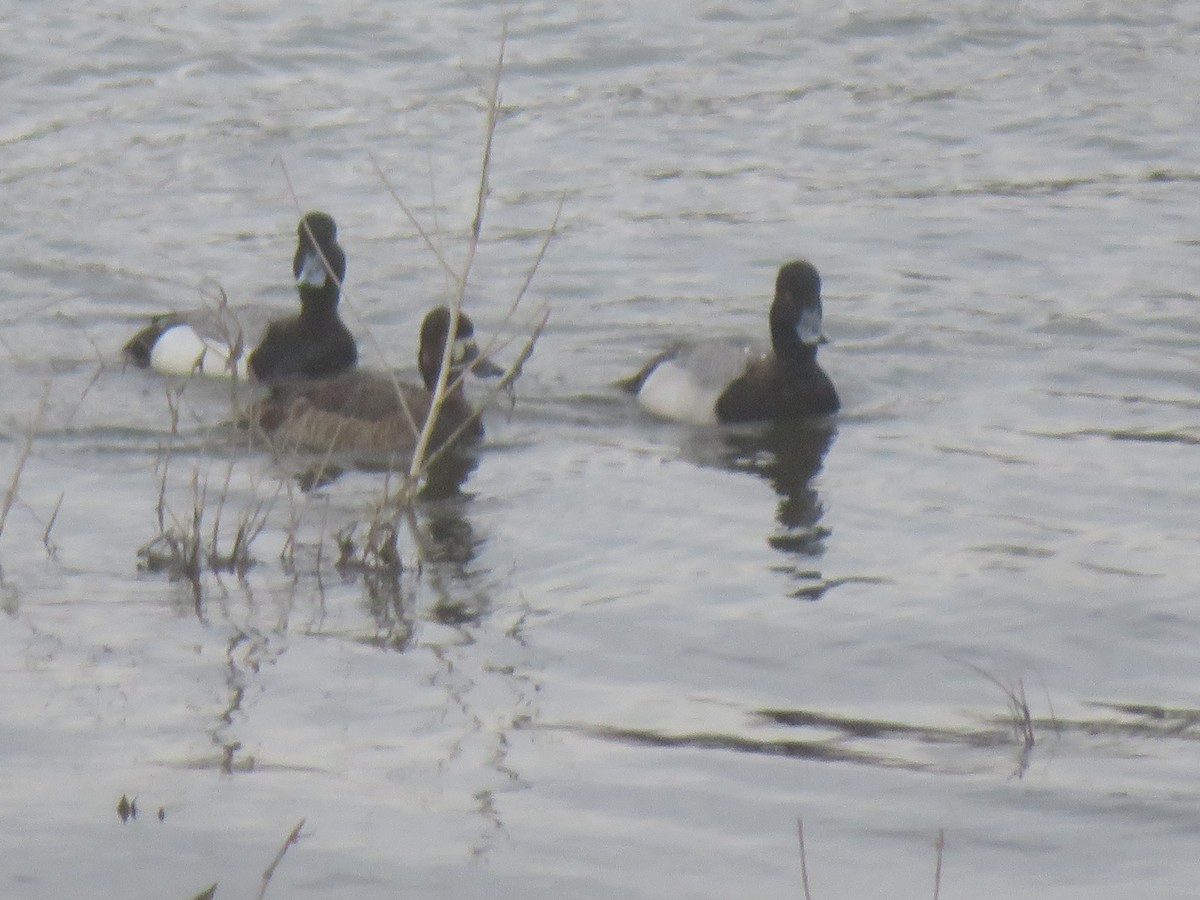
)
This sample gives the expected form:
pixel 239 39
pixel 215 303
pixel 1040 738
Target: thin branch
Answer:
pixel 31 433
pixel 510 375
pixel 937 875
pixel 439 391
pixel 87 388
pixel 307 228
pixel 51 547
pixel 495 342
pixel 292 838
pixel 341 287
pixel 493 111
pixel 803 860
pixel 412 218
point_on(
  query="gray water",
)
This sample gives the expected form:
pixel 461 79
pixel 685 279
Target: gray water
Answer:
pixel 636 652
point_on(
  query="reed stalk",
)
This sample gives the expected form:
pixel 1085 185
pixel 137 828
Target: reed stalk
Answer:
pixel 31 433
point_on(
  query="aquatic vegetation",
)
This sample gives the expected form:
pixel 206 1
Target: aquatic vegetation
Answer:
pixel 14 483
pixel 214 528
pixel 937 874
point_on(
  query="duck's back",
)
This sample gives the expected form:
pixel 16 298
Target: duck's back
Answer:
pixel 685 383
pixel 206 342
pixel 356 412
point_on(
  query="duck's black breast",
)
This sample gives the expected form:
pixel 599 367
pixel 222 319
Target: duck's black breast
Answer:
pixel 297 348
pixel 775 389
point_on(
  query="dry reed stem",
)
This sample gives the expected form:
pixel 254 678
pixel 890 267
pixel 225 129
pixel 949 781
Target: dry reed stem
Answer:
pixel 51 547
pixel 1018 708
pixel 87 388
pixel 413 220
pixel 937 874
pixel 495 342
pixel 188 552
pixel 424 456
pixel 803 860
pixel 292 838
pixel 31 433
pixel 439 391
pixel 510 375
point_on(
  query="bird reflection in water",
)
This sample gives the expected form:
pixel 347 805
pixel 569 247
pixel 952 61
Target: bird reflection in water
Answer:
pixel 398 556
pixel 788 455
pixel 445 476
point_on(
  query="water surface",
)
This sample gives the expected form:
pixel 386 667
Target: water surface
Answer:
pixel 635 652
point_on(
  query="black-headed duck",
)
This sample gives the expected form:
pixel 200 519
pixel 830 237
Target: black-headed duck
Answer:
pixel 721 382
pixel 314 343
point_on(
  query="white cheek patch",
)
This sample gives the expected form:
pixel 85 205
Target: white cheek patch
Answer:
pixel 808 326
pixel 312 273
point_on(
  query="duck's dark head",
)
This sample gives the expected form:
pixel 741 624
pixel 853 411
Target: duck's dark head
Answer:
pixel 796 317
pixel 320 263
pixel 435 331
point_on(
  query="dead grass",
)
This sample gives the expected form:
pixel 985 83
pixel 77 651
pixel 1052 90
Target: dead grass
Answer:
pixel 203 531
pixel 202 534
pixel 376 550
pixel 210 892
pixel 14 482
pixel 940 846
pixel 1019 715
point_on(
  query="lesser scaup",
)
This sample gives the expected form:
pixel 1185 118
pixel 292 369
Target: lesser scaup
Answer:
pixel 312 344
pixel 364 412
pixel 718 382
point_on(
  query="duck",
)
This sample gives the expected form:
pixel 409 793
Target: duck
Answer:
pixel 314 343
pixel 718 382
pixel 366 412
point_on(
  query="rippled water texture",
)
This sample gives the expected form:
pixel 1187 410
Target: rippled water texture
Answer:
pixel 634 653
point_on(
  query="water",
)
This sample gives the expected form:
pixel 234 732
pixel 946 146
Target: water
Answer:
pixel 636 652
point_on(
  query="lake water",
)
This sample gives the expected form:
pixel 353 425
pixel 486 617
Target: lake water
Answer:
pixel 635 652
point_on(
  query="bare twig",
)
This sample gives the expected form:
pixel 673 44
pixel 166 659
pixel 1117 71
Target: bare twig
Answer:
pixel 51 547
pixel 292 838
pixel 10 496
pixel 414 221
pixel 412 423
pixel 492 345
pixel 510 375
pixel 1018 708
pixel 803 860
pixel 439 390
pixel 87 388
pixel 393 507
pixel 937 875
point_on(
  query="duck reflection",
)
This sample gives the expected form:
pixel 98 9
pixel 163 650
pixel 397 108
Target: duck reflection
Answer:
pixel 444 477
pixel 788 454
pixel 439 545
pixel 449 547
